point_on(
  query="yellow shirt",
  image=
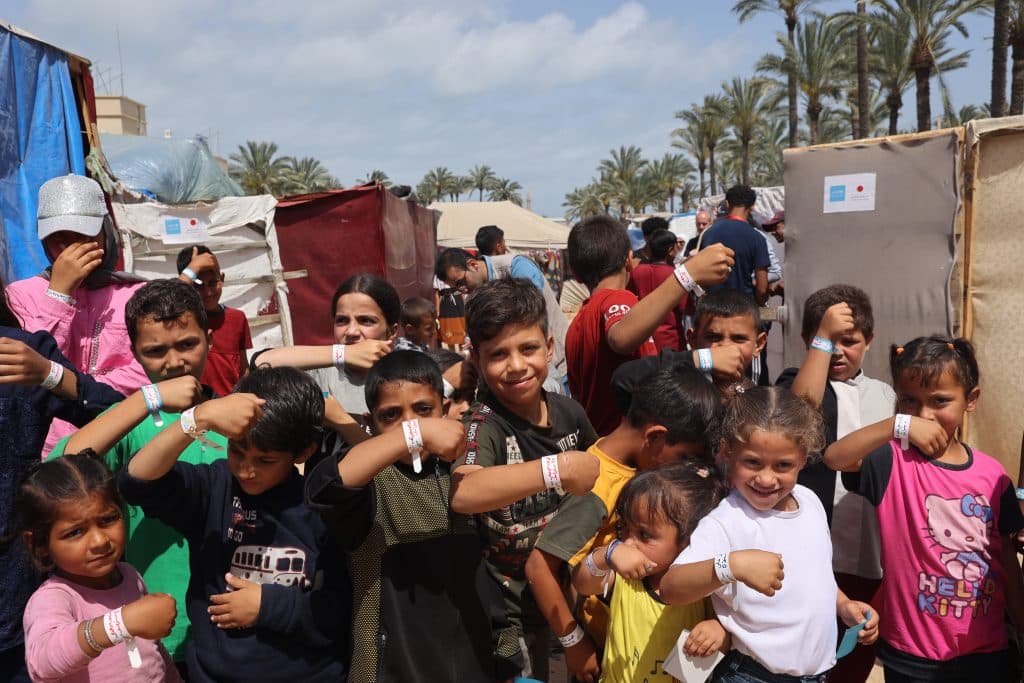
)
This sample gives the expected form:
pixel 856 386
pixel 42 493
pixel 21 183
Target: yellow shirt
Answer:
pixel 643 630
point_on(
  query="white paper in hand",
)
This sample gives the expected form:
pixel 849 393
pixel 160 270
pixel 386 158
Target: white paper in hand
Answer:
pixel 690 669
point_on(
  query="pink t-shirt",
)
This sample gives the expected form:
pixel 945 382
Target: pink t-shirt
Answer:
pixel 944 591
pixel 51 634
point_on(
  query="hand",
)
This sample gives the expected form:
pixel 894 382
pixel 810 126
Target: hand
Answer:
pixel 852 613
pixel 444 438
pixel 711 266
pixel 180 393
pixel 929 437
pixel 232 416
pixel 236 609
pixel 706 638
pixel 629 562
pixel 727 362
pixel 837 321
pixel 73 265
pixel 334 414
pixel 151 616
pixel 578 471
pixel 21 364
pixel 200 262
pixel 363 355
pixel 581 659
pixel 758 569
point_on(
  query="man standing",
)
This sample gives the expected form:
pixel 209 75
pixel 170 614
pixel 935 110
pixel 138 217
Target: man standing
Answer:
pixel 751 250
pixel 703 222
pixel 490 241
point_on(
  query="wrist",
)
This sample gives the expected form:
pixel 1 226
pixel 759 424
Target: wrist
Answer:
pixel 61 293
pixel 573 638
pixel 819 343
pixel 724 571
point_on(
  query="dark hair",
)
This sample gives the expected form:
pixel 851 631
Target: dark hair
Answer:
pixel 598 247
pixel 740 195
pixel 487 239
pixel 726 303
pixel 680 399
pixel 925 359
pixel 499 303
pixel 413 310
pixel 377 288
pixel 660 243
pixel 854 297
pixel 774 410
pixel 402 366
pixel 293 414
pixel 444 358
pixel 652 225
pixel 681 493
pixel 185 255
pixel 74 477
pixel 454 257
pixel 7 316
pixel 163 300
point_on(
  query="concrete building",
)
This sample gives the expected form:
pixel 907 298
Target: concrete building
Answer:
pixel 121 115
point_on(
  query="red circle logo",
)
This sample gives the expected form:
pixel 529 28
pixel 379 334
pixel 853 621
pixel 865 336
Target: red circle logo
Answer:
pixel 192 222
pixel 860 188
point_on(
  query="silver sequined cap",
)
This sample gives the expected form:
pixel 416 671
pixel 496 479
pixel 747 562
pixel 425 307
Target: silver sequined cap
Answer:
pixel 71 202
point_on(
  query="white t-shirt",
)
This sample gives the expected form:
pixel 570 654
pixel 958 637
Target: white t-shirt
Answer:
pixel 793 632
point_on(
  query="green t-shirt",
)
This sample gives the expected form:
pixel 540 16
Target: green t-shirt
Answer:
pixel 159 553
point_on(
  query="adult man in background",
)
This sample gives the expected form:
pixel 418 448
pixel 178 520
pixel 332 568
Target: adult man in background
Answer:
pixel 750 273
pixel 490 241
pixel 703 221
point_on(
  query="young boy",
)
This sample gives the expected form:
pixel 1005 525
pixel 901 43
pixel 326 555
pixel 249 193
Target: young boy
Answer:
pixel 229 328
pixel 837 327
pixel 674 417
pixel 612 327
pixel 729 318
pixel 521 453
pixel 267 597
pixel 167 326
pixel 424 604
pixel 419 327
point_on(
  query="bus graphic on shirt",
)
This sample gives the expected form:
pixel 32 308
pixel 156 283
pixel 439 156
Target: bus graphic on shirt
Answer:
pixel 269 565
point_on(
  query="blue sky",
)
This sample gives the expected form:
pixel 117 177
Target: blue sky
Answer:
pixel 539 91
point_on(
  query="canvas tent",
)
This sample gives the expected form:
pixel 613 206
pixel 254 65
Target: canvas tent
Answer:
pixel 524 230
pixel 770 200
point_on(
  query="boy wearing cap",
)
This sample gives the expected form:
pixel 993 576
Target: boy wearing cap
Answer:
pixel 80 300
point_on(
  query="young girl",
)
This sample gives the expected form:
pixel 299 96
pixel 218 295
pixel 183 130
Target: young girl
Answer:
pixel 657 510
pixel 783 625
pixel 946 514
pixel 92 619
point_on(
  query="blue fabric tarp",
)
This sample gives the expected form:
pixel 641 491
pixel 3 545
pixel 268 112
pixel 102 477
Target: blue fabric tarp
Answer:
pixel 40 138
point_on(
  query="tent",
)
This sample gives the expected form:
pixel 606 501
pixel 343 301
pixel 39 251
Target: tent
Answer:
pixel 770 200
pixel 524 230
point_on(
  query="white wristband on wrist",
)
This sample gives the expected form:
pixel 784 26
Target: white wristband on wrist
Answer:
pixel 822 344
pixel 901 430
pixel 154 403
pixel 552 476
pixel 723 572
pixel 338 356
pixel 705 361
pixel 187 422
pixel 192 275
pixel 574 638
pixel 686 280
pixel 414 442
pixel 61 297
pixel 117 632
pixel 53 378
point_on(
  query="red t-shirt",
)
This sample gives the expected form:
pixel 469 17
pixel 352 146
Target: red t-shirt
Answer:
pixel 645 279
pixel 591 361
pixel 228 341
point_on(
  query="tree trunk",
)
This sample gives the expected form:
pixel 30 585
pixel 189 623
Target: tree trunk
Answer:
pixel 745 161
pixel 672 201
pixel 812 122
pixel 481 193
pixel 894 102
pixel 863 101
pixel 924 103
pixel 1017 82
pixel 794 119
pixel 701 168
pixel 1000 38
pixel 711 164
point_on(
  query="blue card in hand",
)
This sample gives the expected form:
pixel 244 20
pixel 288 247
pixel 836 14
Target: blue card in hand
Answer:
pixel 850 637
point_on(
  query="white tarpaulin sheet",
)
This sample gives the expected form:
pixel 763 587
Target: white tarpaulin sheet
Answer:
pixel 770 200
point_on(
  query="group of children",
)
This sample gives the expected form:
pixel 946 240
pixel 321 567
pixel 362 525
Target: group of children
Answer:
pixel 454 519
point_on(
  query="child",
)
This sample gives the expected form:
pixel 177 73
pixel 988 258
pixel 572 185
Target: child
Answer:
pixel 674 418
pixel 266 597
pixel 520 457
pixel 421 585
pixel 838 327
pixel 419 327
pixel 645 278
pixel 612 327
pixel 780 631
pixel 657 512
pixel 167 325
pixel 947 515
pixel 92 619
pixel 229 328
pixel 728 317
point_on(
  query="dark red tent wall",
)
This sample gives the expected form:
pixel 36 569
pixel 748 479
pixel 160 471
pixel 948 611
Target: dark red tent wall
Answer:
pixel 333 235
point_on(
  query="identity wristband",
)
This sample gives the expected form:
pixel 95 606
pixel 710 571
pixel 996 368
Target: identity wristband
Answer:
pixel 117 632
pixel 901 430
pixel 723 572
pixel 61 297
pixel 187 422
pixel 687 281
pixel 338 356
pixel 705 361
pixel 154 403
pixel 552 477
pixel 574 637
pixel 822 344
pixel 592 566
pixel 192 275
pixel 53 378
pixel 414 442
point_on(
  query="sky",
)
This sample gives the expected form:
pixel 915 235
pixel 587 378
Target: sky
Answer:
pixel 541 92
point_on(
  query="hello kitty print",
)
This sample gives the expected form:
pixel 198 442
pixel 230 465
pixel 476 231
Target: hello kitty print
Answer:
pixel 960 528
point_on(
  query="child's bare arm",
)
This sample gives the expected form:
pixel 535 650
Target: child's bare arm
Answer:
pixel 477 489
pixel 361 355
pixel 338 420
pixel 442 438
pixel 758 569
pixel 586 582
pixel 707 637
pixel 810 381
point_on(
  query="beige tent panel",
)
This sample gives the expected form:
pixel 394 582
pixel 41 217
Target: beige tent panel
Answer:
pixel 523 228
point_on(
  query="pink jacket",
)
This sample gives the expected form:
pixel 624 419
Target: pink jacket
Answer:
pixel 92 335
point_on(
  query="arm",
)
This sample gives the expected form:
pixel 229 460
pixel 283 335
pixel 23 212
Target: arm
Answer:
pixel 846 454
pixel 476 489
pixel 757 569
pixel 441 437
pixel 361 355
pixel 40 313
pixel 813 375
pixel 54 642
pixel 774 267
pixel 197 263
pixel 854 612
pixel 761 286
pixel 340 422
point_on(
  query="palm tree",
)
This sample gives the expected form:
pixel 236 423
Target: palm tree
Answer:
pixel 258 169
pixel 505 190
pixel 931 24
pixel 375 176
pixel 482 177
pixel 709 126
pixel 667 174
pixel 459 186
pixel 308 175
pixel 890 65
pixel 863 98
pixel 790 11
pixel 582 202
pixel 437 183
pixel 1000 41
pixel 745 104
pixel 691 140
pixel 1016 41
pixel 625 166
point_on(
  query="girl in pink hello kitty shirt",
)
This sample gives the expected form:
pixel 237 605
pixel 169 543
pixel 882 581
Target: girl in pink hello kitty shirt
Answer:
pixel 947 515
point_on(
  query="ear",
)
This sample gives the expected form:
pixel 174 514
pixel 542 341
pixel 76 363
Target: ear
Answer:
pixel 972 399
pixel 654 434
pixel 629 261
pixel 551 348
pixel 761 339
pixel 306 454
pixel 867 342
pixel 392 332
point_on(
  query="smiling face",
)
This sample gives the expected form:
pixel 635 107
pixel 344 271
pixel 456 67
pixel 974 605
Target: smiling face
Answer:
pixel 87 540
pixel 171 348
pixel 401 401
pixel 944 401
pixel 258 471
pixel 357 317
pixel 764 470
pixel 514 365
